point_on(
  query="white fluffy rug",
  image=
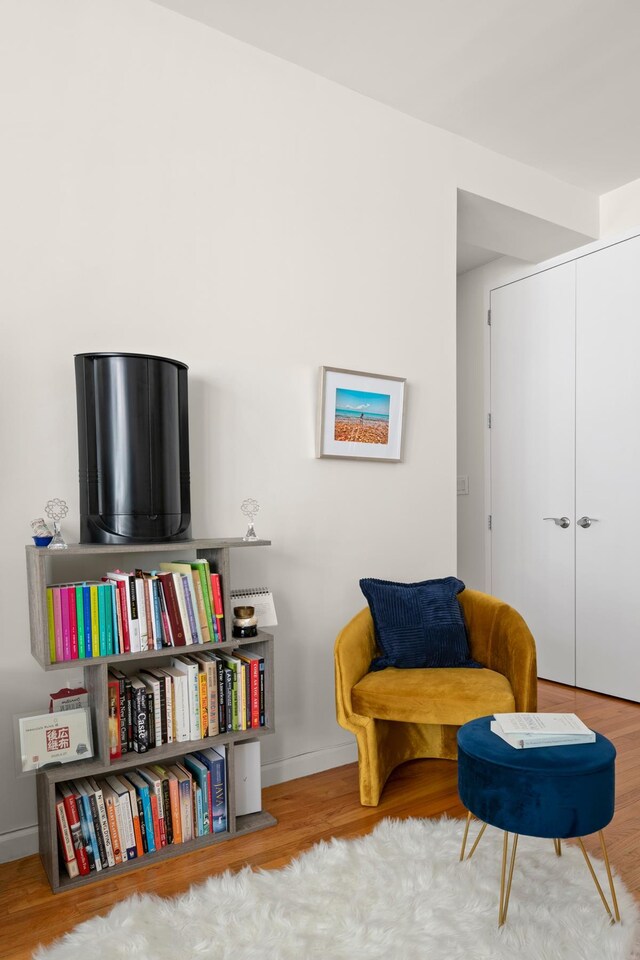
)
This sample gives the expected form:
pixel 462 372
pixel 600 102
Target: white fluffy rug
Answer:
pixel 399 893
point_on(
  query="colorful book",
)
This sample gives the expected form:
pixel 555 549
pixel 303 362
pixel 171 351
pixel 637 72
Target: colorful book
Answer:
pixel 82 650
pixel 65 840
pixel 51 625
pixel 73 818
pixel 216 760
pixel 218 605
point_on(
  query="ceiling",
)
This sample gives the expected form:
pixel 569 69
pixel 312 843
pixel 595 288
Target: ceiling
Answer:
pixel 551 83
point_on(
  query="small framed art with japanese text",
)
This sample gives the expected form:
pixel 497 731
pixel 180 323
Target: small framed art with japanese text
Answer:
pixel 360 415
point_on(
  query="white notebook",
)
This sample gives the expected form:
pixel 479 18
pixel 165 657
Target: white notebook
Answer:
pixel 261 599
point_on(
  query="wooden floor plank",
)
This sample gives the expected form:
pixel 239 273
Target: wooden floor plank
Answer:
pixel 317 808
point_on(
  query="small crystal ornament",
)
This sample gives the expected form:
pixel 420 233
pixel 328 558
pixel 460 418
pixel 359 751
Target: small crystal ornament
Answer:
pixel 56 510
pixel 249 508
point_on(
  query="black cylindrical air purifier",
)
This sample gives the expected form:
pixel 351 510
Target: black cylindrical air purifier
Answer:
pixel 133 442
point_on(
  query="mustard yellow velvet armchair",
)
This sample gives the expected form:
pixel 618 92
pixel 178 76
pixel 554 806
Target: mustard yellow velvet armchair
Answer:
pixel 399 715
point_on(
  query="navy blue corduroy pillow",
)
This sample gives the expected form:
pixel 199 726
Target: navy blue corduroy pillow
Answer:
pixel 418 624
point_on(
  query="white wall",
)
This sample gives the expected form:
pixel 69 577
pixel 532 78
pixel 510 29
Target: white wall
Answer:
pixel 166 189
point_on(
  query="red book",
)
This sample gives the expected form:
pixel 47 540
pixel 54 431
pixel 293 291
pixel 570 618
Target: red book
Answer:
pixel 65 840
pixel 218 606
pixel 76 831
pixel 173 610
pixel 113 701
pixel 254 675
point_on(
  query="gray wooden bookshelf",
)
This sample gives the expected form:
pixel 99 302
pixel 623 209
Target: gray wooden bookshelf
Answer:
pixel 89 561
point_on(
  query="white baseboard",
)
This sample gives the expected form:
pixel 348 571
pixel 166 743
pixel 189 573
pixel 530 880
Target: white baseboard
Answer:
pixel 18 844
pixel 290 768
pixel 24 842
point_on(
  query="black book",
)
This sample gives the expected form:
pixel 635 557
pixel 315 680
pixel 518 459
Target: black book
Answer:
pixel 222 700
pixel 140 716
pixel 151 718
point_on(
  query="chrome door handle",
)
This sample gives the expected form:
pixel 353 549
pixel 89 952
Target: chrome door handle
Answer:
pixel 585 522
pixel 563 522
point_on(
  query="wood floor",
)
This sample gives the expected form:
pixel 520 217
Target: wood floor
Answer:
pixel 319 807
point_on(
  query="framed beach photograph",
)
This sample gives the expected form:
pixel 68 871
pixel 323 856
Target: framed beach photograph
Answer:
pixel 360 415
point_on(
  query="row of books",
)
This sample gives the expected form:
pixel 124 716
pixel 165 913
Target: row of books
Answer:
pixel 105 821
pixel 175 606
pixel 195 696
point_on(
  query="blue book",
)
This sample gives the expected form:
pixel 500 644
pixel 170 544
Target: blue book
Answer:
pixel 157 612
pixel 200 773
pixel 200 831
pixel 142 790
pixel 215 759
pixel 87 827
pixel 88 634
pixel 102 620
pixel 108 618
pixel 191 613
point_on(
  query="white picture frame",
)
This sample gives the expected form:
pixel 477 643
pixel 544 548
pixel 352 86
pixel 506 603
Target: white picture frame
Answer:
pixel 360 415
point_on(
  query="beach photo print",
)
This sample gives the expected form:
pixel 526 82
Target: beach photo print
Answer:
pixel 360 415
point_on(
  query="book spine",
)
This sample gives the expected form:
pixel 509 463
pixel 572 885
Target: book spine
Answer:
pixel 141 602
pixel 168 703
pixel 115 620
pixel 82 650
pixel 108 618
pixel 86 823
pixel 148 819
pixel 262 693
pixel 141 829
pixel 159 828
pixel 174 799
pixel 125 711
pixel 95 622
pixel 222 698
pixel 65 840
pixel 151 717
pixel 51 624
pixel 212 690
pixel 129 813
pixel 112 819
pixel 173 610
pixel 88 626
pixel 104 827
pixel 97 830
pixel 121 587
pixel 218 606
pixel 201 610
pixel 191 612
pixel 79 846
pixel 182 607
pixel 157 613
pixel 57 621
pixel 102 623
pixel 218 787
pixel 73 622
pixel 134 621
pixel 114 705
pixel 203 699
pixel 140 720
pixel 66 629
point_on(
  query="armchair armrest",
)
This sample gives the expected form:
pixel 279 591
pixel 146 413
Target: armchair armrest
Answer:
pixel 355 648
pixel 501 640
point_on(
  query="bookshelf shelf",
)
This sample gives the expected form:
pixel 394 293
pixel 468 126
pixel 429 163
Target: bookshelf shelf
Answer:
pixel 45 567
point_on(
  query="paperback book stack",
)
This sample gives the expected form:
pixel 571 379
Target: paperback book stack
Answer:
pixel 524 730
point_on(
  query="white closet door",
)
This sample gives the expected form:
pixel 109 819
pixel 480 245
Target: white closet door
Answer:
pixel 532 460
pixel 608 470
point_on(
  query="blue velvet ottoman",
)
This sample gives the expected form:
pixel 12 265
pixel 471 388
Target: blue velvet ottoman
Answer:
pixel 555 792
